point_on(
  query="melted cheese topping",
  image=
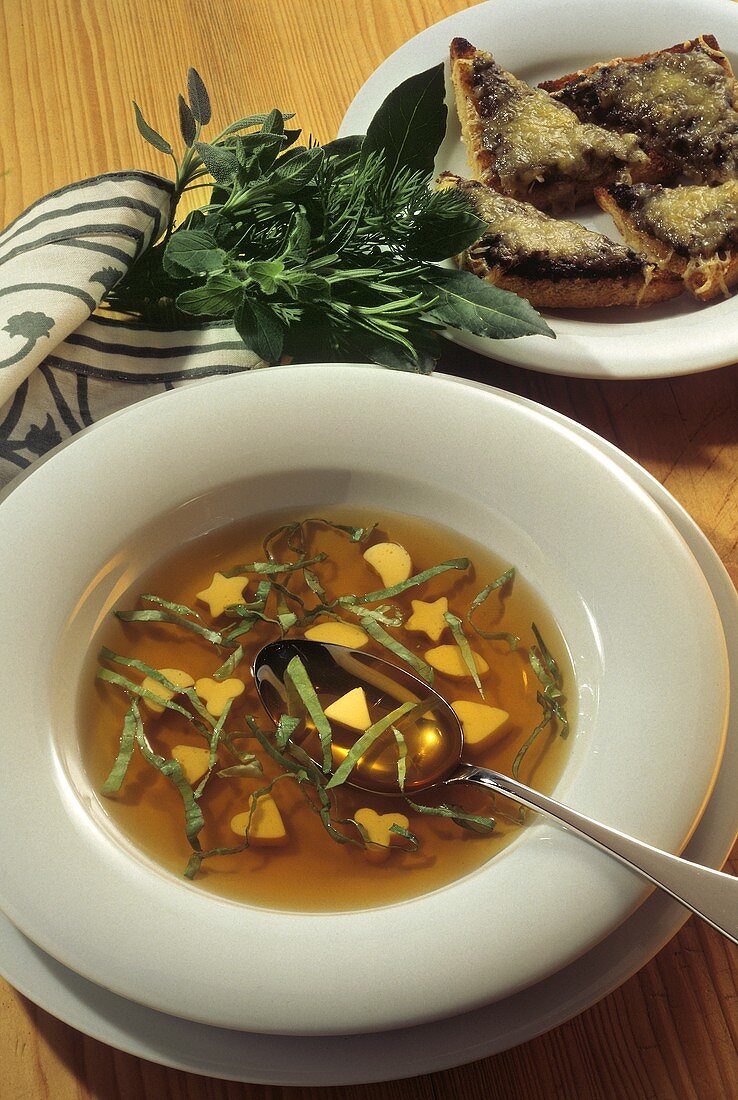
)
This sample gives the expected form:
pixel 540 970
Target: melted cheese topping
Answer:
pixel 535 139
pixel 694 221
pixel 518 232
pixel 683 102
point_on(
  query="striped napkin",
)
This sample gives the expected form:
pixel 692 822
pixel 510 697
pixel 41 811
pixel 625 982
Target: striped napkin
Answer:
pixel 63 367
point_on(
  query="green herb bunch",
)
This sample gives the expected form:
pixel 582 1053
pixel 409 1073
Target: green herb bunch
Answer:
pixel 321 252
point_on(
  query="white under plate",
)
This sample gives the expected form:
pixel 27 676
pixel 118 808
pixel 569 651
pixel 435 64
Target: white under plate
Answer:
pixel 538 40
pixel 280 1060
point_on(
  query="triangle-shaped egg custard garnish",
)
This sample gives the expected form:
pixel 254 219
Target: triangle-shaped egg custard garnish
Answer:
pixel 350 710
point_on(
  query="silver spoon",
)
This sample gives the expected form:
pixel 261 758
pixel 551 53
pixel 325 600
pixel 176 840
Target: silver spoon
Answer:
pixel 435 748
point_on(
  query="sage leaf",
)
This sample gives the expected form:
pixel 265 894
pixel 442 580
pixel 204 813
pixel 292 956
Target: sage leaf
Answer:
pixel 149 133
pixel 247 122
pixel 290 176
pixel 221 163
pixel 273 123
pixel 187 124
pixel 198 96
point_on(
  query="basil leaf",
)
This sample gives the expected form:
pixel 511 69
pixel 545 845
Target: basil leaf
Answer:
pixel 345 147
pixel 193 252
pixel 220 295
pixel 469 303
pixel 410 124
pixel 443 227
pixel 260 329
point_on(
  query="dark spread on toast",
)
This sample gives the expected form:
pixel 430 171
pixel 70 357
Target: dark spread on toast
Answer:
pixel 524 242
pixel 536 140
pixel 692 220
pixel 680 103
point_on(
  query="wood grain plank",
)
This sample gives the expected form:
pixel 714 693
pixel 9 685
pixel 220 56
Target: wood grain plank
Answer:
pixel 68 72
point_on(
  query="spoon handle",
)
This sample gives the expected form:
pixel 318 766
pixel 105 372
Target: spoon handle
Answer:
pixel 710 894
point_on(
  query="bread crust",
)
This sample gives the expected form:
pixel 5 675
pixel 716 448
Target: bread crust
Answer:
pixel 706 278
pixel 707 40
pixel 577 293
pixel 571 289
pixel 550 195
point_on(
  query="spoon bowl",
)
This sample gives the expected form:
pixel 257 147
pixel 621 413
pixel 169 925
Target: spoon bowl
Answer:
pixel 434 743
pixel 432 732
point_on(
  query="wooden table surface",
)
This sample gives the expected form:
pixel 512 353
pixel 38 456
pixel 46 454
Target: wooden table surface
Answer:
pixel 69 71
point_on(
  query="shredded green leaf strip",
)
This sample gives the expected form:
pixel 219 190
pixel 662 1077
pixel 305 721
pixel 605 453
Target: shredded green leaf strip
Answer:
pixel 214 743
pixel 504 579
pixel 176 608
pixel 286 726
pixel 456 814
pixel 401 758
pixel 408 835
pixel 546 720
pixel 197 705
pixel 387 614
pixel 309 778
pixel 239 771
pixel 551 698
pixel 297 673
pixel 140 666
pixel 127 744
pixel 411 582
pixel 171 770
pixel 379 634
pixel 230 665
pixel 365 742
pixel 175 620
pixel 110 677
pixel 273 567
pixel 462 642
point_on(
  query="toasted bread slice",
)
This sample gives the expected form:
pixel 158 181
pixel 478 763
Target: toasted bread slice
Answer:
pixel 682 102
pixel 553 263
pixel 524 144
pixel 689 231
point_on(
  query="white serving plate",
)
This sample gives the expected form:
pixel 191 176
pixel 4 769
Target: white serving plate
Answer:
pixel 645 639
pixel 321 1061
pixel 539 40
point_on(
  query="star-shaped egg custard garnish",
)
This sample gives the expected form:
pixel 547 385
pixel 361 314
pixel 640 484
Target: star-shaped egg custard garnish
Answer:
pixel 223 592
pixel 427 618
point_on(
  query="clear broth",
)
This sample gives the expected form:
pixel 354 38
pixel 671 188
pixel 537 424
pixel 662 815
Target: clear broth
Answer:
pixel 311 871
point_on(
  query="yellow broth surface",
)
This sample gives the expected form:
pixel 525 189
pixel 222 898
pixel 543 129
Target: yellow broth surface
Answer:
pixel 311 871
